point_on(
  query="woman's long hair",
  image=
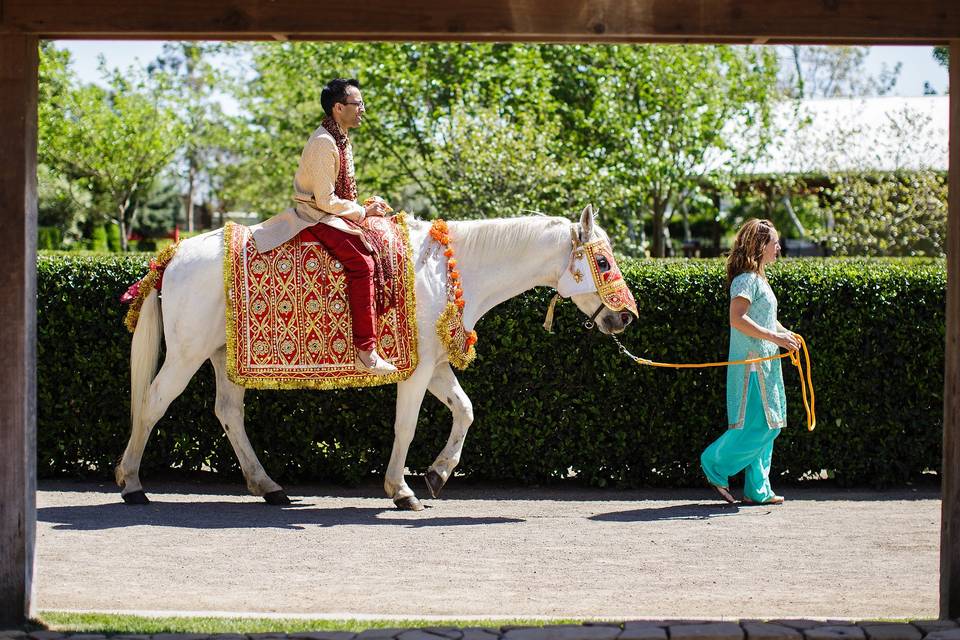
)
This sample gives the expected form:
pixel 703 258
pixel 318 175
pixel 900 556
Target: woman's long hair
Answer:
pixel 747 251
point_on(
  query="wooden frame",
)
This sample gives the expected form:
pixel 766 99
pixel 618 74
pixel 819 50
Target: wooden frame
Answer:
pixel 22 22
pixel 743 21
pixel 18 313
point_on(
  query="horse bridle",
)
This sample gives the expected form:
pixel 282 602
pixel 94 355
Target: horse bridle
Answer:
pixel 589 323
pixel 575 232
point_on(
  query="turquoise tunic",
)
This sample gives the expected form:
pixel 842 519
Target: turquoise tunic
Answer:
pixel 763 311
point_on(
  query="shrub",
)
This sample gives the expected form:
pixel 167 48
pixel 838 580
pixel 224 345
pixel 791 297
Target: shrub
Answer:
pixel 545 404
pixel 49 238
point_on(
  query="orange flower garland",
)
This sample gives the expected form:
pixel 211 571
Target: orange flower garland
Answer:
pixel 454 336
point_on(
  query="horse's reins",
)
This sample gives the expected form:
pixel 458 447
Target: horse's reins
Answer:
pixel 806 380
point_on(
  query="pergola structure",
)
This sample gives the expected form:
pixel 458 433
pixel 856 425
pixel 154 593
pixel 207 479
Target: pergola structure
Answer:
pixel 24 22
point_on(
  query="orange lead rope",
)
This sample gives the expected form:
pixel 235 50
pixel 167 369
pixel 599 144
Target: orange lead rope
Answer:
pixel 806 380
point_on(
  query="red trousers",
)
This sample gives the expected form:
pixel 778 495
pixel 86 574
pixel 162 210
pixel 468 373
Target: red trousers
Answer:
pixel 357 263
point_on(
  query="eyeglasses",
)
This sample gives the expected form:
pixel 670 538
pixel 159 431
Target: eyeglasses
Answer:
pixel 358 104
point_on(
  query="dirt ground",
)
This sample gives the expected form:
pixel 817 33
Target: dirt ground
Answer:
pixel 491 552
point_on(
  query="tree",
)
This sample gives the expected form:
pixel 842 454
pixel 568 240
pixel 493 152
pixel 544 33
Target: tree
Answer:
pixel 412 91
pixel 449 127
pixel 888 214
pixel 59 204
pixel 656 123
pixel 486 167
pixel 113 141
pixel 833 71
pixel 942 55
pixel 194 81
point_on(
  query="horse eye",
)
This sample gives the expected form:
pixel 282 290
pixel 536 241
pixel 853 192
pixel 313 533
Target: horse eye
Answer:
pixel 602 264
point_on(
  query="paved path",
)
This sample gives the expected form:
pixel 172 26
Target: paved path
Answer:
pixel 490 552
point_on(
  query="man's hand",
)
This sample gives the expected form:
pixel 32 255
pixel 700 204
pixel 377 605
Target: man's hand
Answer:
pixel 374 209
pixel 376 206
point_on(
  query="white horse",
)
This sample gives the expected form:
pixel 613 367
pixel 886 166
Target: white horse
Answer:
pixel 497 259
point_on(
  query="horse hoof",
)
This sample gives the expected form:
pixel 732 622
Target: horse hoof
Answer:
pixel 408 504
pixel 277 498
pixel 135 497
pixel 434 483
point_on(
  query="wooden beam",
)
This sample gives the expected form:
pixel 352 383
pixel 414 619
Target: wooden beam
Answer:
pixel 950 506
pixel 837 21
pixel 18 319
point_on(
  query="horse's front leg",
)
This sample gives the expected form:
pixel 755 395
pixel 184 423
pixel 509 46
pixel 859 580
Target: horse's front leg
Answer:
pixel 409 397
pixel 229 410
pixel 447 390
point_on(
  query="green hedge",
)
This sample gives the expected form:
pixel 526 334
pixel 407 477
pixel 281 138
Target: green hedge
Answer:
pixel 544 404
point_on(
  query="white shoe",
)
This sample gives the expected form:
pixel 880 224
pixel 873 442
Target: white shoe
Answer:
pixel 378 366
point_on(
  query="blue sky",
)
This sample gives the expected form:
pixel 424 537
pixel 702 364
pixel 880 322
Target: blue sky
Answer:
pixel 918 63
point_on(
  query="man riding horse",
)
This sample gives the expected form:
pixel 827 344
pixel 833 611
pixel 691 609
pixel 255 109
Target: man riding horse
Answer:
pixel 325 192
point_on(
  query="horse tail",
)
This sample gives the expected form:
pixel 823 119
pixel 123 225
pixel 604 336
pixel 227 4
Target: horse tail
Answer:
pixel 144 354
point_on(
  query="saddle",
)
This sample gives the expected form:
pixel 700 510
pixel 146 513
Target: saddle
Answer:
pixel 288 313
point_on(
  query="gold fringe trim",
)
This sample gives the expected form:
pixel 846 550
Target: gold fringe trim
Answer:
pixel 147 284
pixel 323 384
pixel 446 324
pixel 228 230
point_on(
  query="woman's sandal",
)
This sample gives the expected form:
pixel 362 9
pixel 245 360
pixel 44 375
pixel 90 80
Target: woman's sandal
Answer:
pixel 772 500
pixel 724 494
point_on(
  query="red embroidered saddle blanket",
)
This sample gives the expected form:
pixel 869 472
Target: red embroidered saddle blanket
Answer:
pixel 288 312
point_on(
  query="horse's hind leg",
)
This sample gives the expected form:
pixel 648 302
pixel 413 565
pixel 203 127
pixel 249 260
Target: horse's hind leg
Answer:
pixel 447 390
pixel 229 409
pixel 166 386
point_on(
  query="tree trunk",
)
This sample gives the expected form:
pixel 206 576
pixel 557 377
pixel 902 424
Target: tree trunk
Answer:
pixel 659 249
pixel 191 186
pixel 122 220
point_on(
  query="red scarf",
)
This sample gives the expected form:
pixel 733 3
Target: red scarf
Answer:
pixel 346 186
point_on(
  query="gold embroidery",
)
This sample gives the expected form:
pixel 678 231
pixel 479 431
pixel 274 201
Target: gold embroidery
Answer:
pixel 343 350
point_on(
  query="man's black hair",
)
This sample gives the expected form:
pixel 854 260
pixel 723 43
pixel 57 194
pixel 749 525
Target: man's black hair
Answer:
pixel 334 92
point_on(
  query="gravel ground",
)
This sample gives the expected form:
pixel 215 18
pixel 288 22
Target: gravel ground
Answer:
pixel 489 551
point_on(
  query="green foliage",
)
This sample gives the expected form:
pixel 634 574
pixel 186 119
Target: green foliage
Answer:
pixel 113 237
pixel 98 239
pixel 661 121
pixel 544 403
pixel 49 238
pixel 901 214
pixel 201 163
pixel 942 55
pixel 468 130
pixel 113 141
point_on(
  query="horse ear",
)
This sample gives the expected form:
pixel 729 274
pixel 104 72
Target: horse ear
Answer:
pixel 586 223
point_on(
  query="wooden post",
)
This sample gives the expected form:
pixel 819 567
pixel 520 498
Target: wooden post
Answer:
pixel 950 509
pixel 18 323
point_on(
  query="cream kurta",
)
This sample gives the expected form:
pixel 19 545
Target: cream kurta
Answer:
pixel 316 202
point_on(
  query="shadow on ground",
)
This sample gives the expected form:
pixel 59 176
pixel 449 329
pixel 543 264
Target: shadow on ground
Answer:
pixel 206 484
pixel 233 515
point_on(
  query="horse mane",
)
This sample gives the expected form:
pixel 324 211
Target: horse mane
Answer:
pixel 513 236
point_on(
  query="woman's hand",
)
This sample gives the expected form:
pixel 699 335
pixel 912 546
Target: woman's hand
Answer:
pixel 786 340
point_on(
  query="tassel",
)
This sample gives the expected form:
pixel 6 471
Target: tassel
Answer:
pixel 548 321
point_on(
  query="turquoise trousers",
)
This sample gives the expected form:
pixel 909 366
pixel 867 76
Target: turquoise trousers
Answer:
pixel 749 448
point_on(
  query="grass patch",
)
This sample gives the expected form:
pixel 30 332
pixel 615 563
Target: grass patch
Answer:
pixel 106 623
